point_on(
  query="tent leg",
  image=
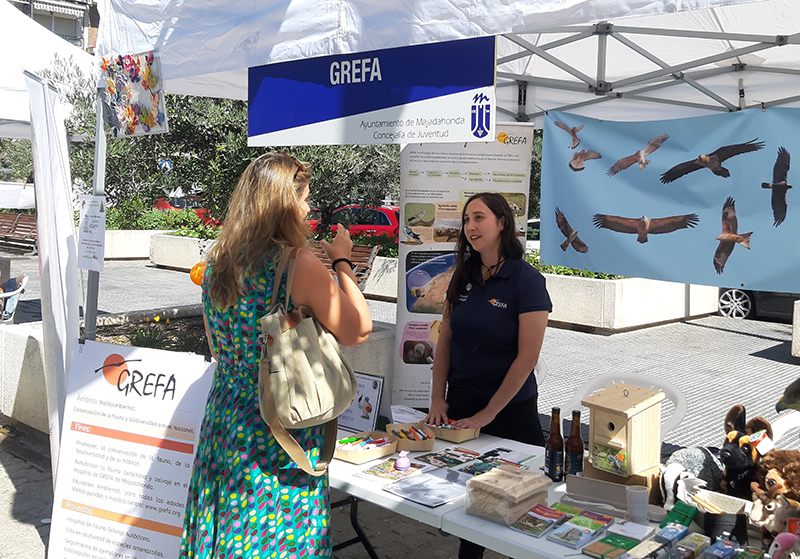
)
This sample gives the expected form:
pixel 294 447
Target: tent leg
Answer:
pixel 98 189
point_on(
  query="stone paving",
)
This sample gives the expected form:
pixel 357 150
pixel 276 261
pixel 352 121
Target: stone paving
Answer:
pixel 716 362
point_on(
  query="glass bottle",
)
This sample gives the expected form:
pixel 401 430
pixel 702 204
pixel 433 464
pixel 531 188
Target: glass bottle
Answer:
pixel 573 451
pixel 554 448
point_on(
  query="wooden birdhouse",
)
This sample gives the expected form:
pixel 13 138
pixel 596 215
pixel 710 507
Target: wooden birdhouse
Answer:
pixel 624 429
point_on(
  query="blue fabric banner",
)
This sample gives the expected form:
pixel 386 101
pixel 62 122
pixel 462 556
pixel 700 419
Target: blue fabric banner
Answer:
pixel 705 200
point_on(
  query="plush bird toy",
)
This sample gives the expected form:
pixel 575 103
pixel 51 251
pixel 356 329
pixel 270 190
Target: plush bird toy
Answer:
pixel 782 543
pixel 790 399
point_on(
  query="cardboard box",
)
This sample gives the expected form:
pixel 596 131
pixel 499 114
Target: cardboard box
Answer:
pixel 412 445
pixel 454 435
pixel 361 456
pixel 649 478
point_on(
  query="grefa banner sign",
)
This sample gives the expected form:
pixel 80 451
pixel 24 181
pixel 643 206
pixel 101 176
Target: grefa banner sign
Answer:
pixel 439 92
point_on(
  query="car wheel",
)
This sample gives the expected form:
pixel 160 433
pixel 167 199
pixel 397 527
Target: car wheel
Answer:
pixel 735 303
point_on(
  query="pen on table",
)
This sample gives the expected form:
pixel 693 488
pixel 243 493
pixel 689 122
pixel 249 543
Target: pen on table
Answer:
pixel 369 440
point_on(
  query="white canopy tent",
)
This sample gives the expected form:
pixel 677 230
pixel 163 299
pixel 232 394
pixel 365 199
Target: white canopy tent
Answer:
pixel 26 45
pixel 649 59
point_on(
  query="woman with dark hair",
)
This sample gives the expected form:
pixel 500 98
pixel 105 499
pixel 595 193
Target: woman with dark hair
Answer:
pixel 492 331
pixel 247 497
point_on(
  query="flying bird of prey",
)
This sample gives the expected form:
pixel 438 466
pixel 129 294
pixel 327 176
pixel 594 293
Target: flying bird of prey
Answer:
pixel 712 161
pixel 779 186
pixel 576 162
pixel 570 233
pixel 572 132
pixel 644 226
pixel 639 157
pixel 730 236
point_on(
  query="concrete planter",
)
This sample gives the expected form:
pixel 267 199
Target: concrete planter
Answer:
pixel 127 244
pixel 626 303
pixel 177 253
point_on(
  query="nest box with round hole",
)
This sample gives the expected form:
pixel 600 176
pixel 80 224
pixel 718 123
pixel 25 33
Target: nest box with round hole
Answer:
pixel 624 428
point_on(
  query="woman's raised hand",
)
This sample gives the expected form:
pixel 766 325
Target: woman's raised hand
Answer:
pixel 341 246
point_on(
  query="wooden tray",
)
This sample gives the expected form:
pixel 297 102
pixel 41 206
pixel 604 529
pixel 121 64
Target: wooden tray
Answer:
pixel 361 456
pixel 405 444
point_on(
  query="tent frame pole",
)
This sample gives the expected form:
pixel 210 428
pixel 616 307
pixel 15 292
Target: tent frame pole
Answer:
pixel 98 189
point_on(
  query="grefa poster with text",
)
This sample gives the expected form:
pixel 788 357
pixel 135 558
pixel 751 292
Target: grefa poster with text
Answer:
pixel 435 181
pixel 131 423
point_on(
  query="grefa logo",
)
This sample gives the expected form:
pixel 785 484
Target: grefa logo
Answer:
pixel 504 138
pixel 496 303
pixel 132 382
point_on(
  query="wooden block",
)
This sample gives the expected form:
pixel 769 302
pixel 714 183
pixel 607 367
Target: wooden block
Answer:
pixel 649 478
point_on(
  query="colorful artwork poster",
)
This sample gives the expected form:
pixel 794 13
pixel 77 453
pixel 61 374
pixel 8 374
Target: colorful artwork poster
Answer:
pixel 705 200
pixel 435 182
pixel 427 279
pixel 133 96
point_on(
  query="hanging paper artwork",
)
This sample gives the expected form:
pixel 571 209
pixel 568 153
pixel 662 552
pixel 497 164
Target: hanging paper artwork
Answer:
pixel 134 97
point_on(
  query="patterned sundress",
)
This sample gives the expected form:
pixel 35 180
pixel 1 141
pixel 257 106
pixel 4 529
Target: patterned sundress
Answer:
pixel 247 497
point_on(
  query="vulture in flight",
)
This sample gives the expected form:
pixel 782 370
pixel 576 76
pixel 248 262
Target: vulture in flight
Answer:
pixel 730 236
pixel 576 162
pixel 644 226
pixel 779 186
pixel 639 157
pixel 572 132
pixel 712 161
pixel 570 233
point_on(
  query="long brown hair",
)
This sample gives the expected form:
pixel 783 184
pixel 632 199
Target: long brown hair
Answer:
pixel 263 213
pixel 510 247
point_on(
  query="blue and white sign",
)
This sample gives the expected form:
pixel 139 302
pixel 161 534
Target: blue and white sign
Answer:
pixel 440 92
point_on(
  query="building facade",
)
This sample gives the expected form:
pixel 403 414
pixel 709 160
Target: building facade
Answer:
pixel 75 21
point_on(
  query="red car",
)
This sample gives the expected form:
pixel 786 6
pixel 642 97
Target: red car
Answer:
pixel 384 220
pixel 193 202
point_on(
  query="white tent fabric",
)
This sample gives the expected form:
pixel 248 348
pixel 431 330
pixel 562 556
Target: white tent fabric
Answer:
pixel 58 254
pixel 206 46
pixel 26 45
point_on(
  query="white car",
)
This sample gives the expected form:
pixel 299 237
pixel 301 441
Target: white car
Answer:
pixel 532 238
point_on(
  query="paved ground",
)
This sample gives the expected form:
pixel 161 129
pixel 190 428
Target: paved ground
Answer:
pixel 716 362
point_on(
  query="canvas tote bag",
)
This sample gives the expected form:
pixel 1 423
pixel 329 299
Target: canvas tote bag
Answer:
pixel 303 378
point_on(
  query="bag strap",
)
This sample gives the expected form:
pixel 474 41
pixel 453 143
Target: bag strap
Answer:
pixel 291 446
pixel 286 256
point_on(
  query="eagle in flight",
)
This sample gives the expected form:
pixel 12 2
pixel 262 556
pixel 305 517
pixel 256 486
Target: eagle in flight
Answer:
pixel 712 161
pixel 729 237
pixel 779 186
pixel 644 226
pixel 570 233
pixel 572 132
pixel 639 157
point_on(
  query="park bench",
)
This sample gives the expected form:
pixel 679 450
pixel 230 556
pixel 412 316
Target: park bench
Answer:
pixel 18 230
pixel 362 258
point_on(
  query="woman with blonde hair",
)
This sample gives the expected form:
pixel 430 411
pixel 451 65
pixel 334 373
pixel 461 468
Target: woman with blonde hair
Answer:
pixel 247 498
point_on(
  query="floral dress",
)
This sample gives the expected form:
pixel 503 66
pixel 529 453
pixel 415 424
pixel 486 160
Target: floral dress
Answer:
pixel 247 497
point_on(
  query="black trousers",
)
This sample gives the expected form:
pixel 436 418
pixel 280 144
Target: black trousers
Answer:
pixel 517 422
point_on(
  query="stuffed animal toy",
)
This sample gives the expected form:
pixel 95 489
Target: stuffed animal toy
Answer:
pixel 770 514
pixel 693 467
pixel 782 543
pixel 738 455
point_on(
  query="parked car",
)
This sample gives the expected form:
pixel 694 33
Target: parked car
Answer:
pixel 740 303
pixel 384 220
pixel 181 203
pixel 532 241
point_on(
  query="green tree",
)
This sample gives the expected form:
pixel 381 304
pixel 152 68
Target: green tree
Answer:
pixel 535 192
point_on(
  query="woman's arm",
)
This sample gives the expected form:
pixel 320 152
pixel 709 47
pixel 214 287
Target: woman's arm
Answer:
pixel 441 366
pixel 531 335
pixel 341 308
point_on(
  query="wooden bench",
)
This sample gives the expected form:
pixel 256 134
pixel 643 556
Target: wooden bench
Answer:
pixel 18 230
pixel 362 258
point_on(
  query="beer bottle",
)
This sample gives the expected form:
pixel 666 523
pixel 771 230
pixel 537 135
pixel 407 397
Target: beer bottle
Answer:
pixel 554 448
pixel 573 452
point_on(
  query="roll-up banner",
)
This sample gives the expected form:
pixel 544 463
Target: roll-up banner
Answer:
pixel 705 200
pixel 435 181
pixel 439 92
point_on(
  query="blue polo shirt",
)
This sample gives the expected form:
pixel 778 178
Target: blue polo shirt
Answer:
pixel 485 327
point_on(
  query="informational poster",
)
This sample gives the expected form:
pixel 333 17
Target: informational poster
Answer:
pixel 362 415
pixel 92 233
pixel 706 200
pixel 435 182
pixel 130 432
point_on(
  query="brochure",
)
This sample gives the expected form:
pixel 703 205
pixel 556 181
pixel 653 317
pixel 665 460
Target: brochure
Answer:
pixel 610 547
pixel 427 490
pixel 386 470
pixel 538 520
pixel 634 530
pixel 449 457
pixel 580 529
